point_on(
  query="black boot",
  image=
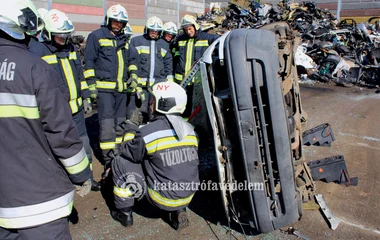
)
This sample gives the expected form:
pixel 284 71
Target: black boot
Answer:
pixel 125 217
pixel 179 219
pixel 95 186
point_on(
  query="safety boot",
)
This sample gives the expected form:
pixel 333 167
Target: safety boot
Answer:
pixel 95 186
pixel 178 219
pixel 123 217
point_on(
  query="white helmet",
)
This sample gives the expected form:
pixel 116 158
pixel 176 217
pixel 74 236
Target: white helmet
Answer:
pixel 170 98
pixel 188 20
pixel 18 17
pixel 58 24
pixel 42 12
pixel 117 13
pixel 154 23
pixel 171 28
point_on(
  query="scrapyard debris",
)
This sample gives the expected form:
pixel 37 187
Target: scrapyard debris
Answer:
pixel 332 169
pixel 345 53
pixel 333 221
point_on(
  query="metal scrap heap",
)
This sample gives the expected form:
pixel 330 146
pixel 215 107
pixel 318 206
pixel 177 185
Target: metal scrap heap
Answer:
pixel 345 53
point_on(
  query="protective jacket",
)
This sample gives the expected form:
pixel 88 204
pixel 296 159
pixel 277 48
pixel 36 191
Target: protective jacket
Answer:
pixel 106 60
pixel 40 151
pixel 66 61
pixel 154 60
pixel 188 50
pixel 168 162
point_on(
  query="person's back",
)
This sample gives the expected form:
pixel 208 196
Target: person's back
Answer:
pixel 167 149
pixel 36 191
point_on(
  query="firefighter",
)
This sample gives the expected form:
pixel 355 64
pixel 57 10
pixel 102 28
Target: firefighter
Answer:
pixel 166 150
pixel 41 154
pixel 58 52
pixel 106 62
pixel 189 48
pixel 154 64
pixel 170 31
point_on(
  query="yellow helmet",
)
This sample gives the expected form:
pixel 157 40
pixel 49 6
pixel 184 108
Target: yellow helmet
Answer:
pixel 188 20
pixel 18 17
pixel 117 13
pixel 170 98
pixel 58 24
pixel 154 23
pixel 171 28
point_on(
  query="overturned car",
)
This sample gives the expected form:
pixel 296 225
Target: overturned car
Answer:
pixel 246 87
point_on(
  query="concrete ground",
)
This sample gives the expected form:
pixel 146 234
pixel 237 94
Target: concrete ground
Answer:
pixel 353 113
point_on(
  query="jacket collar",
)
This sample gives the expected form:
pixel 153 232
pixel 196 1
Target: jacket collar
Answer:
pixel 19 44
pixel 107 33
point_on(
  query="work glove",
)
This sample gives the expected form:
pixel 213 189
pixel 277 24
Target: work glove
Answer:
pixel 136 118
pixel 84 189
pixel 132 83
pixel 107 170
pixel 93 91
pixel 87 105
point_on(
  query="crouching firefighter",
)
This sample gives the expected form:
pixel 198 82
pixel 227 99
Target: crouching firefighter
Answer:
pixel 166 149
pixel 58 52
pixel 41 154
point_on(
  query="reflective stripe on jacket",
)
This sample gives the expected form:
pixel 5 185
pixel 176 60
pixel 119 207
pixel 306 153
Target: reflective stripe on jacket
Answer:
pixel 189 50
pixel 106 60
pixel 66 62
pixel 40 150
pixel 151 66
pixel 166 159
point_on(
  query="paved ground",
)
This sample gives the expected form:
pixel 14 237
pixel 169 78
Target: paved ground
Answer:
pixel 354 114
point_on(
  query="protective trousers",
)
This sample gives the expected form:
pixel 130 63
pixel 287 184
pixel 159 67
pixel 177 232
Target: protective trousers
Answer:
pixel 129 182
pixel 111 114
pixel 80 123
pixel 58 229
pixel 133 104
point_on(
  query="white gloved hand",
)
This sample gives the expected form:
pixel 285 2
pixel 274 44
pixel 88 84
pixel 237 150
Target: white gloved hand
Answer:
pixel 87 106
pixel 84 189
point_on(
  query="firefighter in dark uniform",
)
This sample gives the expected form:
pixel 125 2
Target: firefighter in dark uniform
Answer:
pixel 166 150
pixel 169 34
pixel 63 56
pixel 154 64
pixel 106 67
pixel 189 48
pixel 41 154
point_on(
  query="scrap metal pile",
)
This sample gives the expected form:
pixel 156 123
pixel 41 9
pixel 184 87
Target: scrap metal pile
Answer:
pixel 345 53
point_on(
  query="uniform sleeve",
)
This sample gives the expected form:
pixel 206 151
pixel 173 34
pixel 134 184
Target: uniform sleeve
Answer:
pixel 85 92
pixel 134 150
pixel 212 38
pixel 91 53
pixel 168 64
pixel 58 125
pixel 133 59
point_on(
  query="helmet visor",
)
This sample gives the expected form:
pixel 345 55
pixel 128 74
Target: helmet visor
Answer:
pixel 30 22
pixel 62 35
